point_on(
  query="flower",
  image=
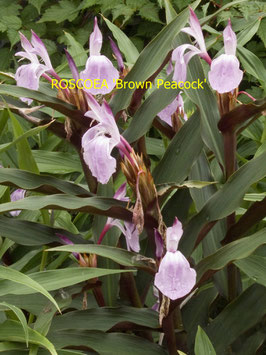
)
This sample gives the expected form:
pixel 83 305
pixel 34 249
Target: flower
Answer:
pixel 180 57
pixel 28 75
pixel 175 278
pixel 128 229
pixel 99 141
pixel 99 66
pixel 18 194
pixel 176 105
pixel 225 74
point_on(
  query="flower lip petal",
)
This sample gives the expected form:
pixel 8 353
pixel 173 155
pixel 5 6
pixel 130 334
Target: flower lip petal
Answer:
pixel 225 74
pixel 97 155
pixel 96 39
pixel 175 278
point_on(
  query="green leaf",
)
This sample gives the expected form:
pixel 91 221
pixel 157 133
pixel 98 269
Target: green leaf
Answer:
pixel 25 157
pixel 64 10
pixel 126 46
pixel 225 201
pixel 262 31
pixel 95 205
pixel 181 153
pixel 196 312
pixel 255 267
pixel 18 312
pixel 76 50
pixel 249 307
pixel 170 12
pixel 57 162
pixel 22 232
pixel 29 133
pixel 54 279
pixel 239 249
pixel 101 342
pixel 11 22
pixel 105 318
pixel 246 35
pixel 151 58
pixel 203 345
pixel 46 184
pixel 37 3
pixel 14 276
pixel 252 64
pixel 50 101
pixel 121 256
pixel 12 330
pixel 150 12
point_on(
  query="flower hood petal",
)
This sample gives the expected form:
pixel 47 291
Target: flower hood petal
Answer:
pixel 96 39
pixel 100 74
pixel 230 40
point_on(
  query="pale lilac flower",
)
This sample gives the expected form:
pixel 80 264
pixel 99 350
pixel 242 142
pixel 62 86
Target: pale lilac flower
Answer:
pixel 28 75
pixel 181 58
pixel 128 229
pixel 99 66
pixel 177 105
pixel 175 278
pixel 18 194
pixel 225 74
pixel 99 141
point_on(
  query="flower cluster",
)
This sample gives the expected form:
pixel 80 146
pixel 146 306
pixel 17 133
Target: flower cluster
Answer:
pixel 224 75
pixel 175 278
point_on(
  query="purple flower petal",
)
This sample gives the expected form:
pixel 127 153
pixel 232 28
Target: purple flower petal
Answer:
pixel 158 243
pixel 173 235
pixel 118 55
pixel 121 193
pixel 96 39
pixel 72 66
pixel 225 74
pixel 100 74
pixel 18 194
pixel 132 237
pixel 130 232
pixel 181 61
pixel 28 76
pixel 195 30
pixel 40 49
pixel 97 150
pixel 230 40
pixel 168 111
pixel 175 278
pixel 65 240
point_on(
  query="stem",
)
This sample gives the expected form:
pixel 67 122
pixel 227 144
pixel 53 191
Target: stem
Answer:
pixel 131 289
pixel 169 332
pixel 91 181
pixel 104 231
